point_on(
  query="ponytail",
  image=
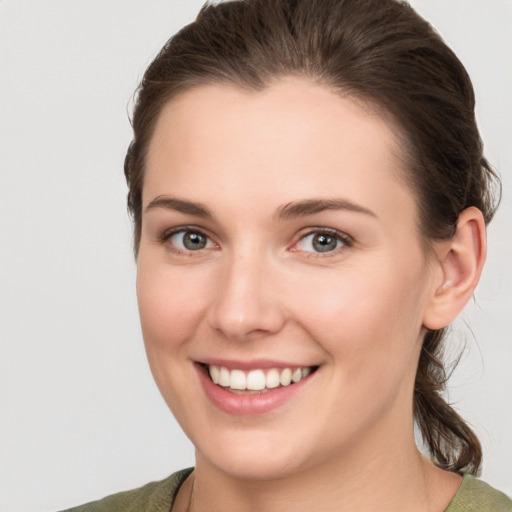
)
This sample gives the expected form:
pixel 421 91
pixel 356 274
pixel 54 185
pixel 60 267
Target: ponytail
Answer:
pixel 450 441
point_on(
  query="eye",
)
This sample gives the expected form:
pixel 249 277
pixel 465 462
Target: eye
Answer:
pixel 322 241
pixel 189 240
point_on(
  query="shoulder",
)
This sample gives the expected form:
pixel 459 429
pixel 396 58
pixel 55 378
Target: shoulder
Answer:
pixel 476 496
pixel 155 496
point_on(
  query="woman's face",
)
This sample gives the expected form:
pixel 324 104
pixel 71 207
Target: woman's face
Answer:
pixel 278 238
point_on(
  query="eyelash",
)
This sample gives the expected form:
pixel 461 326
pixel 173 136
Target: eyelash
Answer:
pixel 167 235
pixel 346 240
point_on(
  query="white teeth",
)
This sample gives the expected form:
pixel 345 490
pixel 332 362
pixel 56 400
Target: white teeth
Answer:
pixel 238 380
pixel 214 373
pixel 224 377
pixel 272 379
pixel 297 375
pixel 256 380
pixel 286 377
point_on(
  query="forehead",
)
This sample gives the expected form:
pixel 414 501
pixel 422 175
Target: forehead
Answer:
pixel 269 110
pixel 296 137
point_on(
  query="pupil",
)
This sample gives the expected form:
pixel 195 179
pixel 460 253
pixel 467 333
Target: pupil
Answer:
pixel 324 243
pixel 194 241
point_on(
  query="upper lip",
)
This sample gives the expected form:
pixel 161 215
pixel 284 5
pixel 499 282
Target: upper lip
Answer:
pixel 252 364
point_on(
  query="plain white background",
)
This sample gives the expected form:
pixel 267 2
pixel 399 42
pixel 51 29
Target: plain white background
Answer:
pixel 80 414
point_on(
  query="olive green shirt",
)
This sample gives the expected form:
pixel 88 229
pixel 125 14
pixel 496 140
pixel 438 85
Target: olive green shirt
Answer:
pixel 472 496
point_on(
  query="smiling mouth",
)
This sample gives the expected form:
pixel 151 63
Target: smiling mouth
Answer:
pixel 257 381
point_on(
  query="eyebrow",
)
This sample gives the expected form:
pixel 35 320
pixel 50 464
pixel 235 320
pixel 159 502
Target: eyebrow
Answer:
pixel 288 211
pixel 180 205
pixel 312 206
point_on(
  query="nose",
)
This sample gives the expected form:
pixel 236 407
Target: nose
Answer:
pixel 247 304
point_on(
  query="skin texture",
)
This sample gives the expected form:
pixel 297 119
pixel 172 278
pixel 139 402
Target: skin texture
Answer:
pixel 259 291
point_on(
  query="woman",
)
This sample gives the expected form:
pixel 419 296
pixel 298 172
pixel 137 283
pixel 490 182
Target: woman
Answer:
pixel 310 200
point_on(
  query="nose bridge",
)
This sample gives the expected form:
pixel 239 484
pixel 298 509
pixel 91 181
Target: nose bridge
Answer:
pixel 246 303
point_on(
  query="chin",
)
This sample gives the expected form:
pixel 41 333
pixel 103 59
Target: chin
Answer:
pixel 257 456
pixel 255 468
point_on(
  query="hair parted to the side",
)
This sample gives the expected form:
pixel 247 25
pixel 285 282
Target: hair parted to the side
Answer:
pixel 378 51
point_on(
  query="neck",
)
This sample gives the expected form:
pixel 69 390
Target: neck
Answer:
pixel 400 479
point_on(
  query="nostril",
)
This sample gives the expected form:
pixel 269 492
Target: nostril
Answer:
pixel 255 322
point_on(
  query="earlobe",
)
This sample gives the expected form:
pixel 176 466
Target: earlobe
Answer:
pixel 460 261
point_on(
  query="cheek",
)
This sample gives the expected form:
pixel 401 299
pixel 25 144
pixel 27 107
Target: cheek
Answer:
pixel 170 302
pixel 369 325
pixel 170 309
pixel 370 315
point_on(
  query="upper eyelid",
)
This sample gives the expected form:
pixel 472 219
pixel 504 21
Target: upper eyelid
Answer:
pixel 304 232
pixel 167 233
pixel 346 240
pixel 165 240
pixel 330 231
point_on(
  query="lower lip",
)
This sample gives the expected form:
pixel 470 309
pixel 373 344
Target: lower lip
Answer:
pixel 250 404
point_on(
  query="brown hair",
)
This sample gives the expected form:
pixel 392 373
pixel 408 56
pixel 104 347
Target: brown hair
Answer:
pixel 381 52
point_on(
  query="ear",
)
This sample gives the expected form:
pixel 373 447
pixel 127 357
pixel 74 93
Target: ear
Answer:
pixel 459 262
